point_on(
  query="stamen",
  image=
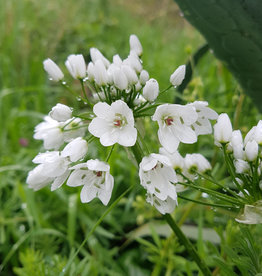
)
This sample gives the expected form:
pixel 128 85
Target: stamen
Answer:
pixel 169 121
pixel 99 173
pixel 117 123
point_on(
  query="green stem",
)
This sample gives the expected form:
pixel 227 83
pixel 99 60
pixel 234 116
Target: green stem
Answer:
pixel 188 245
pixel 138 153
pixel 84 92
pixel 110 152
pixel 206 203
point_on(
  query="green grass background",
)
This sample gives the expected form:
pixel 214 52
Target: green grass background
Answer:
pixel 40 231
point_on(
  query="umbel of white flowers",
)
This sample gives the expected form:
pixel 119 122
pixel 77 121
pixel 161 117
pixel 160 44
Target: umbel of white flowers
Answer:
pixel 120 91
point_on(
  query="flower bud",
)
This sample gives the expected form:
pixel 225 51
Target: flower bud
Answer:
pixel 135 45
pixel 258 133
pixel 223 129
pixel 100 73
pixel 251 150
pixel 53 70
pixel 90 71
pixel 133 61
pixel 144 77
pixel 117 60
pixel 241 166
pixel 237 144
pixel 151 90
pixel 120 79
pixel 76 66
pixel 97 55
pixel 76 149
pixel 61 112
pixel 130 74
pixel 177 77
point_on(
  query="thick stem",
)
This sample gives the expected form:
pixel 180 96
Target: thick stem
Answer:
pixel 188 245
pixel 137 151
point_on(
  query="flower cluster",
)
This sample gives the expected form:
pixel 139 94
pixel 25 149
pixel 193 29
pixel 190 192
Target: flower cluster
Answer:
pixel 117 93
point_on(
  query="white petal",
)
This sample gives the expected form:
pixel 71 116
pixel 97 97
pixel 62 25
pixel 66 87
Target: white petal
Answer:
pixel 185 134
pixel 102 110
pixel 98 127
pixel 127 136
pixel 167 139
pixel 88 193
pixel 97 165
pixel 59 181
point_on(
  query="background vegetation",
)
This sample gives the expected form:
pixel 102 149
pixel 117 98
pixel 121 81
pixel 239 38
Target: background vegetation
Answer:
pixel 40 231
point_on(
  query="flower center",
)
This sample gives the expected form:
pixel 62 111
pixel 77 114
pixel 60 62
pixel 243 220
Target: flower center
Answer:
pixel 169 121
pixel 119 120
pixel 117 123
pixel 99 173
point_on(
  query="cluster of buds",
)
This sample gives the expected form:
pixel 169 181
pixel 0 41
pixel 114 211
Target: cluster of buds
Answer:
pixel 243 156
pixel 117 93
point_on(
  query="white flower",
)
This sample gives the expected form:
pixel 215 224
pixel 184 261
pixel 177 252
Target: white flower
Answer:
pixel 61 112
pixel 151 90
pixel 133 61
pixel 157 175
pixel 139 100
pixel 55 133
pixel 178 164
pixel 175 125
pixel 52 168
pixel 237 144
pixel 73 128
pixel 76 66
pixel 53 70
pixel 50 132
pixel 113 124
pixel 197 162
pixel 241 166
pixel 76 149
pixel 177 77
pixel 258 133
pixel 96 180
pixel 130 74
pixel 135 45
pixel 222 130
pixel 91 71
pixel 177 161
pixel 120 79
pixel 117 60
pixel 166 206
pixel 251 150
pixel 97 55
pixel 144 77
pixel 100 73
pixel 250 135
pixel 202 124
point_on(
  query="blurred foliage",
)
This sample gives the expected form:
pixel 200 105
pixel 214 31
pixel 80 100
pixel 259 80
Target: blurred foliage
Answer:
pixel 40 231
pixel 233 31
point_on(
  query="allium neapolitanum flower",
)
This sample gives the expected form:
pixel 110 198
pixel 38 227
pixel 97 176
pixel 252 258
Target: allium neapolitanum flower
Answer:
pixel 53 70
pixel 55 133
pixel 113 124
pixel 95 178
pixel 158 178
pixel 53 166
pixel 175 125
pixel 115 95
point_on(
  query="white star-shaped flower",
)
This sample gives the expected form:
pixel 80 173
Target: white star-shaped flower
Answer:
pixel 202 125
pixel 175 125
pixel 96 180
pixel 52 168
pixel 113 124
pixel 157 175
